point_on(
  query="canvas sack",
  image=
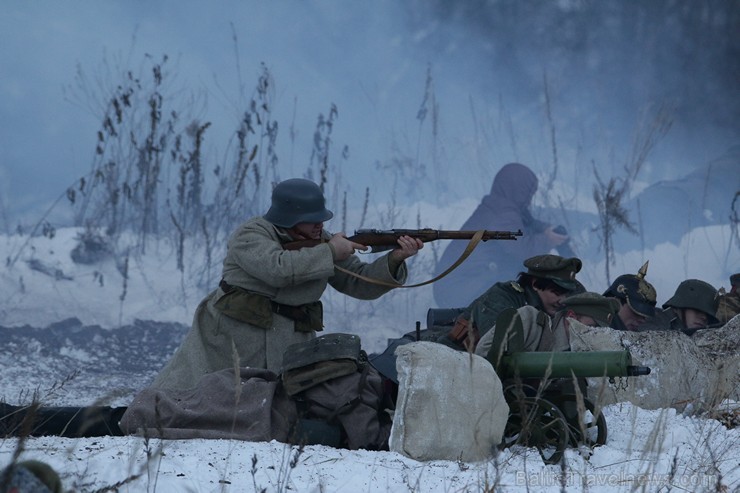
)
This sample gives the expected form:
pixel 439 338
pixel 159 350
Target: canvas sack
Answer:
pixel 450 404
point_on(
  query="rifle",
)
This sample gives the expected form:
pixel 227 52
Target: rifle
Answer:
pixel 382 240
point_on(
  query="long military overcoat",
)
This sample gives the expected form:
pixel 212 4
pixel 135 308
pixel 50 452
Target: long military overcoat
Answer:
pixel 256 262
pixel 540 332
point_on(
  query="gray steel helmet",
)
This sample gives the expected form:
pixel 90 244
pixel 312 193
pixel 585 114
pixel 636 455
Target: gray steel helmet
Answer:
pixel 697 295
pixel 297 201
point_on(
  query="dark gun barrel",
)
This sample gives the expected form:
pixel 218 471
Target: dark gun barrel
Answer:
pixel 568 363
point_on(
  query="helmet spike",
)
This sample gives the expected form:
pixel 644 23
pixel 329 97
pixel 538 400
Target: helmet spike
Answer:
pixel 643 270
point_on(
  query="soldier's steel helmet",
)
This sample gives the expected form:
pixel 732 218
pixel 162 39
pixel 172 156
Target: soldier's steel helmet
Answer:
pixel 562 271
pixel 633 289
pixel 297 201
pixel 697 295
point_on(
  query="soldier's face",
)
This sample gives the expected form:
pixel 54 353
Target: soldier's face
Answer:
pixel 307 231
pixel 551 301
pixel 694 319
pixel 630 319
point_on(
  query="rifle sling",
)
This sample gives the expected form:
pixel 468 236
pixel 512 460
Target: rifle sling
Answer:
pixel 465 254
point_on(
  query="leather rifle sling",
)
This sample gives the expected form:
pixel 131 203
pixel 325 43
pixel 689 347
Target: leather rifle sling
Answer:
pixel 466 253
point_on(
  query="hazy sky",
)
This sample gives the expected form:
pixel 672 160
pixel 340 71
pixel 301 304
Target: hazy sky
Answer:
pixel 368 58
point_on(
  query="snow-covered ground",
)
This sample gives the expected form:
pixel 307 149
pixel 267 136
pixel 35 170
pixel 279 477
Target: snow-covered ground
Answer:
pixel 72 362
pixel 647 451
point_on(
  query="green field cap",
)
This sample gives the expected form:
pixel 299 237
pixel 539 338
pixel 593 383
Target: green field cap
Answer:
pixel 562 271
pixel 600 308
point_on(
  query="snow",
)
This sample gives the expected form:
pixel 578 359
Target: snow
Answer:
pixel 647 450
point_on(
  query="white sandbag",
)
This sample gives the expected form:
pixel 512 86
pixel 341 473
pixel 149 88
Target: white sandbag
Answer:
pixel 450 404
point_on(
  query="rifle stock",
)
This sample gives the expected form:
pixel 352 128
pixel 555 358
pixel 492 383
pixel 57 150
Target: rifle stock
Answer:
pixel 381 240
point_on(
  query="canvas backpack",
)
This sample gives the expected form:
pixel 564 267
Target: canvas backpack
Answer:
pixel 331 381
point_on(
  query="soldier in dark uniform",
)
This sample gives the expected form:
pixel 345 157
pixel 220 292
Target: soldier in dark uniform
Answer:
pixel 692 307
pixel 547 282
pixel 638 300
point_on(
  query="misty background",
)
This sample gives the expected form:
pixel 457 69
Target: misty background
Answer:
pixel 390 103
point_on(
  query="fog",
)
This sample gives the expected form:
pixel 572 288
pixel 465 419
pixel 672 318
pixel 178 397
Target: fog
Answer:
pixel 431 98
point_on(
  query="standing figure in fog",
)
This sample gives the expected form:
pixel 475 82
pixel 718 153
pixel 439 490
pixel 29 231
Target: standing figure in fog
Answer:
pixel 506 208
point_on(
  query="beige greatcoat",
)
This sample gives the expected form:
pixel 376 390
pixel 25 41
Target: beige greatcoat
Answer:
pixel 256 262
pixel 540 332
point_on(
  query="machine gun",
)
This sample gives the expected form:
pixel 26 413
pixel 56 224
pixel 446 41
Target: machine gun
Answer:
pixel 569 364
pixel 550 416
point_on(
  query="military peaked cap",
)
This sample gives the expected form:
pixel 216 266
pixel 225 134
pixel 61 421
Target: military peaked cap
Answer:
pixel 594 305
pixel 562 271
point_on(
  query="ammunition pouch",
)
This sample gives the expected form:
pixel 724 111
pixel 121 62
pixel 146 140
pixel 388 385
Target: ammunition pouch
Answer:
pixel 257 310
pixel 465 334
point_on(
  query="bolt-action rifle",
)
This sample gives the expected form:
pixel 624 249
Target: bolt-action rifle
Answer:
pixel 387 239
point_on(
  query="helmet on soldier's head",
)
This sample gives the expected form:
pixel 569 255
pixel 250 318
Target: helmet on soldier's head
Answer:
pixel 634 290
pixel 297 201
pixel 697 295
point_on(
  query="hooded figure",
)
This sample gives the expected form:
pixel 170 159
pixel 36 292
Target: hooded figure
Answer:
pixel 505 208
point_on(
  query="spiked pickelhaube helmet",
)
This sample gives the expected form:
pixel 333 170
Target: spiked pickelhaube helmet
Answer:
pixel 697 295
pixel 297 200
pixel 634 290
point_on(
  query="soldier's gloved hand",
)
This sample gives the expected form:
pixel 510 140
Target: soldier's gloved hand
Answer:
pixel 343 248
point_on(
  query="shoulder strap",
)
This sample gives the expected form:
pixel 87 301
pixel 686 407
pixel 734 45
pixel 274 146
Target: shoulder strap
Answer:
pixel 508 336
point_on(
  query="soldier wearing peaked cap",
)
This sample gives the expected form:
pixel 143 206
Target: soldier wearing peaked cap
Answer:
pixel 638 299
pixel 692 307
pixel 544 286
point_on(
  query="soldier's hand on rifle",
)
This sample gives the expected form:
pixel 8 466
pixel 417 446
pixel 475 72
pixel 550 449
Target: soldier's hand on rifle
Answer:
pixel 553 238
pixel 343 247
pixel 408 247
